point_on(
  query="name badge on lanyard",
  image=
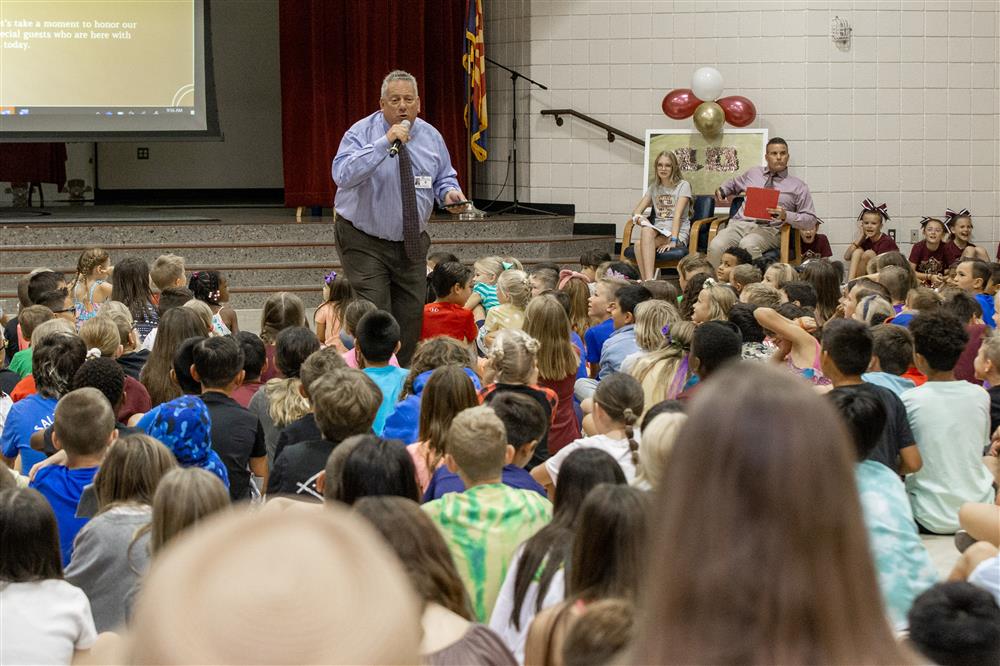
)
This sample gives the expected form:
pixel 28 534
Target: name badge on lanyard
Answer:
pixel 422 182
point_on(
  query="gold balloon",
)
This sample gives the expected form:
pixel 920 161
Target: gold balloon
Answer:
pixel 709 119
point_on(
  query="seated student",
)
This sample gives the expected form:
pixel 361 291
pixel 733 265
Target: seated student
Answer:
pixel 169 298
pixel 966 309
pixel 987 365
pixel 60 301
pixel 974 277
pixel 956 624
pixel 278 403
pixel 43 618
pixel 305 428
pixel 543 278
pixel 617 406
pixel 433 259
pixel 237 435
pixel 29 319
pixel 484 525
pixel 691 265
pixel 918 299
pixel 800 293
pixel 744 275
pixel 732 257
pixel 798 350
pixel 253 363
pixel 526 424
pixel 873 310
pixel 870 242
pixel 589 261
pixel 778 274
pixel 404 422
pixel 713 345
pixel 133 357
pixel 813 244
pixel 756 346
pixel 602 326
pixel 621 342
pixel 950 420
pixel 84 428
pixel 903 564
pixel 714 302
pixel 108 558
pixel 371 466
pixel 183 426
pixel 892 353
pixel 760 294
pixel 345 402
pixel 353 314
pixel 856 291
pixel 449 635
pixel 57 325
pixel 100 333
pixel 56 359
pixel 896 281
pixel 378 339
pixel 446 315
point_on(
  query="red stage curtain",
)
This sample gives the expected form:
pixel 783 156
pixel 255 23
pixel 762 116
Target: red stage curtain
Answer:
pixel 334 55
pixel 33 162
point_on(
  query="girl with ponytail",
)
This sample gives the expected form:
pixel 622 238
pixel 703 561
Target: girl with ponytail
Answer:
pixel 618 403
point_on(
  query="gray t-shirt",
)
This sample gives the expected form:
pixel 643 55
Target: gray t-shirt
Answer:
pixel 664 200
pixel 106 563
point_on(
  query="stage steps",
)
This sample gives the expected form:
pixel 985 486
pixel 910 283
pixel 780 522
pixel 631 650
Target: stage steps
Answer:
pixel 262 252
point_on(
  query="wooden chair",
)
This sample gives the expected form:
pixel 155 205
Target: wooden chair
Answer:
pixel 789 250
pixel 702 219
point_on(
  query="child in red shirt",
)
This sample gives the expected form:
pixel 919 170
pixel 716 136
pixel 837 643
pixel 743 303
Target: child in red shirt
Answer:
pixel 452 283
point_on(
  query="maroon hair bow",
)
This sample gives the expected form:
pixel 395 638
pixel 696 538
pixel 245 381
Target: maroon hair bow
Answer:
pixel 868 206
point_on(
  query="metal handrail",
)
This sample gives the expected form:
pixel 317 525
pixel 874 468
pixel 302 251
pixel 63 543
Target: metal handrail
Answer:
pixel 612 131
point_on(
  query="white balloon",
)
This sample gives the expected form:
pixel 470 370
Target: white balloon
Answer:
pixel 707 84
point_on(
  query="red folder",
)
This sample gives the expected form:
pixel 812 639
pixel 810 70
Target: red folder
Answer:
pixel 758 200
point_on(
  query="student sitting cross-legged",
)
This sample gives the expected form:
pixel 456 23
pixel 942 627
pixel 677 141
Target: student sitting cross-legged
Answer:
pixel 484 525
pixel 345 402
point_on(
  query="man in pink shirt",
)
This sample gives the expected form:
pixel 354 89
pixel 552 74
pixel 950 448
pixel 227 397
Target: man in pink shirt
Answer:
pixel 795 206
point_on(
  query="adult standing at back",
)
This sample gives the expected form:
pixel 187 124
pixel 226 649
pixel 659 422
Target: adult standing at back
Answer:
pixel 382 204
pixel 795 206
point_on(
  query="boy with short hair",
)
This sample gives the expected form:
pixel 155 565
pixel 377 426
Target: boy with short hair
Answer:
pixel 956 623
pixel 744 275
pixel 761 294
pixel 813 244
pixel 731 258
pixel 901 561
pixel 590 260
pixel 918 299
pixel 713 345
pixel 621 342
pixel 597 309
pixel 800 293
pixel 691 265
pixel 896 281
pixel 967 310
pixel 237 435
pixel 526 424
pixel 378 338
pixel 167 271
pixel 254 356
pixel 84 428
pixel 484 525
pixel 892 353
pixel 846 353
pixel 167 299
pixel 30 318
pixel 345 402
pixel 305 428
pixel 951 421
pixel 973 277
pixel 452 282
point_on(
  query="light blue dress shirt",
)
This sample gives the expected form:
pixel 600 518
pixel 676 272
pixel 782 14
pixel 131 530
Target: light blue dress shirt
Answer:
pixel 368 180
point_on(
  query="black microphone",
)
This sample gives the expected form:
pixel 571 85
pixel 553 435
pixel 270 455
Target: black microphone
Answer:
pixel 398 143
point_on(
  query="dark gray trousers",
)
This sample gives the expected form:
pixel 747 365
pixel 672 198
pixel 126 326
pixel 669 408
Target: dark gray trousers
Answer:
pixel 380 271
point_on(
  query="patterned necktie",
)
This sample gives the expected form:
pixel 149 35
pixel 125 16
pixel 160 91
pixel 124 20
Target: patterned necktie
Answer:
pixel 411 217
pixel 769 183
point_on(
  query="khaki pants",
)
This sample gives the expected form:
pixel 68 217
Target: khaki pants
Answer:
pixel 754 238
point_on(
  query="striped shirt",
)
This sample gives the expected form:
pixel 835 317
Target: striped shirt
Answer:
pixel 488 294
pixel 483 526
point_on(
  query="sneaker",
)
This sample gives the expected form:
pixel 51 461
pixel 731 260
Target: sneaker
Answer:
pixel 963 540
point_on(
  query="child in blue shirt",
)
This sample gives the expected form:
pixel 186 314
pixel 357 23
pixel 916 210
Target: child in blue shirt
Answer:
pixel 378 338
pixel 526 423
pixel 84 428
pixel 973 276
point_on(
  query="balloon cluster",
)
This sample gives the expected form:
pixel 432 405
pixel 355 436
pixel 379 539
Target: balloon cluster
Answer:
pixel 702 101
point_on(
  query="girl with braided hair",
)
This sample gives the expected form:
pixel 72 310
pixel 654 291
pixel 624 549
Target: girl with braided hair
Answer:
pixel 90 287
pixel 618 404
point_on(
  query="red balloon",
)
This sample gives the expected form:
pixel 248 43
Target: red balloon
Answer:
pixel 680 103
pixel 739 111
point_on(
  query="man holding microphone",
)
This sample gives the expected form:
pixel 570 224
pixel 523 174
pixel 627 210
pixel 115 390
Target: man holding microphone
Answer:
pixel 389 169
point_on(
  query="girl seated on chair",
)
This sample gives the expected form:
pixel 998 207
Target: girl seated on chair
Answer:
pixel 668 195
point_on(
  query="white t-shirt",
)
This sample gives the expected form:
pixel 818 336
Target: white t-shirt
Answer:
pixel 43 622
pixel 616 448
pixel 500 622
